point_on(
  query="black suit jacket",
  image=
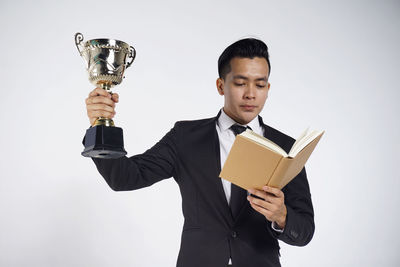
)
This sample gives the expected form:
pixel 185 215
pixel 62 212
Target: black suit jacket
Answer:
pixel 189 152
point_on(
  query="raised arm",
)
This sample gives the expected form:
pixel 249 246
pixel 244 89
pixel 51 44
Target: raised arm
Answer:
pixel 138 171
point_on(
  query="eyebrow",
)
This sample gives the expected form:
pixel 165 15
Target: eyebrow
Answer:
pixel 245 78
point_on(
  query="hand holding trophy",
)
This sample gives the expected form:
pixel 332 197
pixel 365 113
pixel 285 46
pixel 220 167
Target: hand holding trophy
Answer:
pixel 106 61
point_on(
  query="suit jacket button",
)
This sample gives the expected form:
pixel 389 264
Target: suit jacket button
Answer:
pixel 294 234
pixel 234 234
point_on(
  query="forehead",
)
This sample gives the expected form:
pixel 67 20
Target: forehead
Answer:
pixel 249 67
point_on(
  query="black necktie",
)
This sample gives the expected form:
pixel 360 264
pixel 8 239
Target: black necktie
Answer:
pixel 238 195
pixel 238 129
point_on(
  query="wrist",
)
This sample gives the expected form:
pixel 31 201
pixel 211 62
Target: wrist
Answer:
pixel 281 222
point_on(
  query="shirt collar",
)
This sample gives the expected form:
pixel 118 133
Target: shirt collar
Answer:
pixel 225 122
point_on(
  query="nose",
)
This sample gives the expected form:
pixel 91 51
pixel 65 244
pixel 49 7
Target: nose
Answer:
pixel 250 92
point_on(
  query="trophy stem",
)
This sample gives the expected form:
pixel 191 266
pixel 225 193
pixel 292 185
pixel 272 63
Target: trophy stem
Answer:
pixel 106 86
pixel 102 120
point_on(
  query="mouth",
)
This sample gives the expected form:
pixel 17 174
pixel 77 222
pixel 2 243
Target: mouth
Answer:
pixel 248 107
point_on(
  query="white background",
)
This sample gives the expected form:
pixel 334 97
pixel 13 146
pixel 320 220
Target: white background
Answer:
pixel 335 66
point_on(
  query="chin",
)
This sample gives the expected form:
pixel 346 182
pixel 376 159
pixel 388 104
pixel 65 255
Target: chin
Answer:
pixel 247 117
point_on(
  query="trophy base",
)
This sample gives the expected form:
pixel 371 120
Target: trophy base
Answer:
pixel 104 142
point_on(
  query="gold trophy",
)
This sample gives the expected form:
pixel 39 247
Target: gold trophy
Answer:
pixel 106 61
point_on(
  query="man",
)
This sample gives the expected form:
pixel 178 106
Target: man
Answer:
pixel 222 225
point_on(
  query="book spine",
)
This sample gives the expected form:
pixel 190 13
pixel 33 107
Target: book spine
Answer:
pixel 274 172
pixel 278 177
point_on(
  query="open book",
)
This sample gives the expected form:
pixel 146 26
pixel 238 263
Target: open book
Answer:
pixel 255 161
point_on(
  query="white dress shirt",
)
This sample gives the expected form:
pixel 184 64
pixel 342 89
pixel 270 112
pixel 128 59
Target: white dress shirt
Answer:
pixel 226 138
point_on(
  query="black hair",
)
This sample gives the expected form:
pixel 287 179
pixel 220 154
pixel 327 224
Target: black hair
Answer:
pixel 245 48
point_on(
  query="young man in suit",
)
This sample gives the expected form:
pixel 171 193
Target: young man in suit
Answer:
pixel 224 225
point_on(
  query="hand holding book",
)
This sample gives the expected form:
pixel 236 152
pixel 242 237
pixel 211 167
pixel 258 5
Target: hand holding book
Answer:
pixel 270 202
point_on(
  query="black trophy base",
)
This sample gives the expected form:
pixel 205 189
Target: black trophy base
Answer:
pixel 104 142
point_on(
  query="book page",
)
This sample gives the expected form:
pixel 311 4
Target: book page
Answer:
pixel 303 134
pixel 264 141
pixel 303 141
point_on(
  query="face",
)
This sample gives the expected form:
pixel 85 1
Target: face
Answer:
pixel 245 88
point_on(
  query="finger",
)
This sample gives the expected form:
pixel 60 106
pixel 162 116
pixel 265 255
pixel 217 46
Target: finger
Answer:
pixel 99 91
pixel 100 107
pixel 115 97
pixel 257 193
pixel 270 198
pixel 272 190
pixel 100 113
pixel 261 203
pixel 101 100
pixel 261 210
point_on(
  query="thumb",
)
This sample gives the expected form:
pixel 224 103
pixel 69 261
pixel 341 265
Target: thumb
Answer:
pixel 115 97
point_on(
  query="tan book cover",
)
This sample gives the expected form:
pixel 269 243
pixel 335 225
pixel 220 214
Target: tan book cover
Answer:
pixel 254 162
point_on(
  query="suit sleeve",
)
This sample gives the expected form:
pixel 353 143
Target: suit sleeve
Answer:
pixel 299 228
pixel 156 164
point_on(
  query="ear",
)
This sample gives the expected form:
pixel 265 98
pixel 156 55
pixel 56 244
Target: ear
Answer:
pixel 220 86
pixel 268 86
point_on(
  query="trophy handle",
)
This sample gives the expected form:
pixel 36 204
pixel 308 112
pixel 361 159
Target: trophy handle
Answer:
pixel 132 55
pixel 78 41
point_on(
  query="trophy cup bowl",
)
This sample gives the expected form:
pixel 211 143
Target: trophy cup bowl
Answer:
pixel 106 61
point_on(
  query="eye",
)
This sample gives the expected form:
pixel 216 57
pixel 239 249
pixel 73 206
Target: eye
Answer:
pixel 239 84
pixel 260 85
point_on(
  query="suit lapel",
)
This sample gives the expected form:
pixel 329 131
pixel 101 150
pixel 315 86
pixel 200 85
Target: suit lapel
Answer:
pixel 267 134
pixel 212 147
pixel 221 192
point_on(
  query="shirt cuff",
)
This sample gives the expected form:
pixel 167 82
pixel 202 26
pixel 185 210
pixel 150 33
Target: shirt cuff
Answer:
pixel 276 227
